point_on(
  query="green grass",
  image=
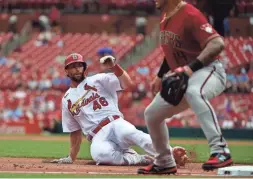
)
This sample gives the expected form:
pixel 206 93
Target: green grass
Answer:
pixel 26 175
pixel 56 149
pixel 241 154
pixel 39 149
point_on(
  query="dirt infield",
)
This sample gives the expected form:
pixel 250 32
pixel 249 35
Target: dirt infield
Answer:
pixel 33 165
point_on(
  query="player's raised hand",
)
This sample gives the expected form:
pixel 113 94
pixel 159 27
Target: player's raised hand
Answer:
pixel 107 62
pixel 156 85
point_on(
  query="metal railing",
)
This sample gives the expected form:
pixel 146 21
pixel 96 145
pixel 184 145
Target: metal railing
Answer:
pixel 149 43
pixel 17 40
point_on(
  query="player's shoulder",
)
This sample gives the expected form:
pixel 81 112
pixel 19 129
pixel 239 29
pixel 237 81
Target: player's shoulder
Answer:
pixel 191 11
pixel 97 76
pixel 101 76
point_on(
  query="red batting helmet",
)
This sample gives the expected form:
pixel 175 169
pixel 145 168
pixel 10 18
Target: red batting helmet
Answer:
pixel 74 58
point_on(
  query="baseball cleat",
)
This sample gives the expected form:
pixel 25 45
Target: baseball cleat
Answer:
pixel 217 160
pixel 146 160
pixel 154 169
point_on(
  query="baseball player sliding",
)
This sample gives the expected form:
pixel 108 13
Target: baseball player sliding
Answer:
pixel 90 106
pixel 193 76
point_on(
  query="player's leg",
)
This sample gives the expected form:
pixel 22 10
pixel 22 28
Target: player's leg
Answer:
pixel 105 150
pixel 203 85
pixel 128 136
pixel 109 153
pixel 155 115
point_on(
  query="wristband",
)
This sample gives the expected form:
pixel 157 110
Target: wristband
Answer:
pixel 196 65
pixel 117 70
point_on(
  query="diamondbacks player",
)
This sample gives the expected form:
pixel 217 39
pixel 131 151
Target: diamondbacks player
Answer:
pixel 91 106
pixel 191 47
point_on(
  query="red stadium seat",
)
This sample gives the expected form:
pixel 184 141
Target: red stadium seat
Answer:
pixel 43 57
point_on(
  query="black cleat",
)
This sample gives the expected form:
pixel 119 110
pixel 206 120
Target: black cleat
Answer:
pixel 154 169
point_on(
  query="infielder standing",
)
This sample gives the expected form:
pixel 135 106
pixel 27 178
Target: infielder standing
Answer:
pixel 91 106
pixel 191 47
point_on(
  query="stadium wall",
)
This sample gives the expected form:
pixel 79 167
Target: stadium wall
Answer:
pixel 88 23
pixel 197 133
pixel 26 128
pixel 241 27
pixel 100 23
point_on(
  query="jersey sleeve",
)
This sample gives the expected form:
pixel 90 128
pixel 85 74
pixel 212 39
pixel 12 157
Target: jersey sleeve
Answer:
pixel 111 82
pixel 69 124
pixel 202 31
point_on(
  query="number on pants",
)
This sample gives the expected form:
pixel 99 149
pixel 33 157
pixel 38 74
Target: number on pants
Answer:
pixel 97 104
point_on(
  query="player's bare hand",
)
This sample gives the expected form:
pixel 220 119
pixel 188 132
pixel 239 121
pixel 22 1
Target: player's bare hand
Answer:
pixel 107 62
pixel 156 85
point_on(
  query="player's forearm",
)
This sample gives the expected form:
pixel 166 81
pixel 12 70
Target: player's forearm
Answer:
pixel 125 80
pixel 212 50
pixel 75 142
pixel 207 56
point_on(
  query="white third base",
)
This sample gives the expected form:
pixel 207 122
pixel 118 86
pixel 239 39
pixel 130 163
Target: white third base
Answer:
pixel 236 171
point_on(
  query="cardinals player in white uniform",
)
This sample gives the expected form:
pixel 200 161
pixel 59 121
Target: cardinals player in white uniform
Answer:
pixel 90 106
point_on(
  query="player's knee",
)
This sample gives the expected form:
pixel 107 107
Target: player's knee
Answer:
pixel 109 158
pixel 94 153
pixel 196 100
pixel 106 155
pixel 100 156
pixel 98 153
pixel 149 114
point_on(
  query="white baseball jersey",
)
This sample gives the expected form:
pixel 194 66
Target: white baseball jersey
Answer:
pixel 94 99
